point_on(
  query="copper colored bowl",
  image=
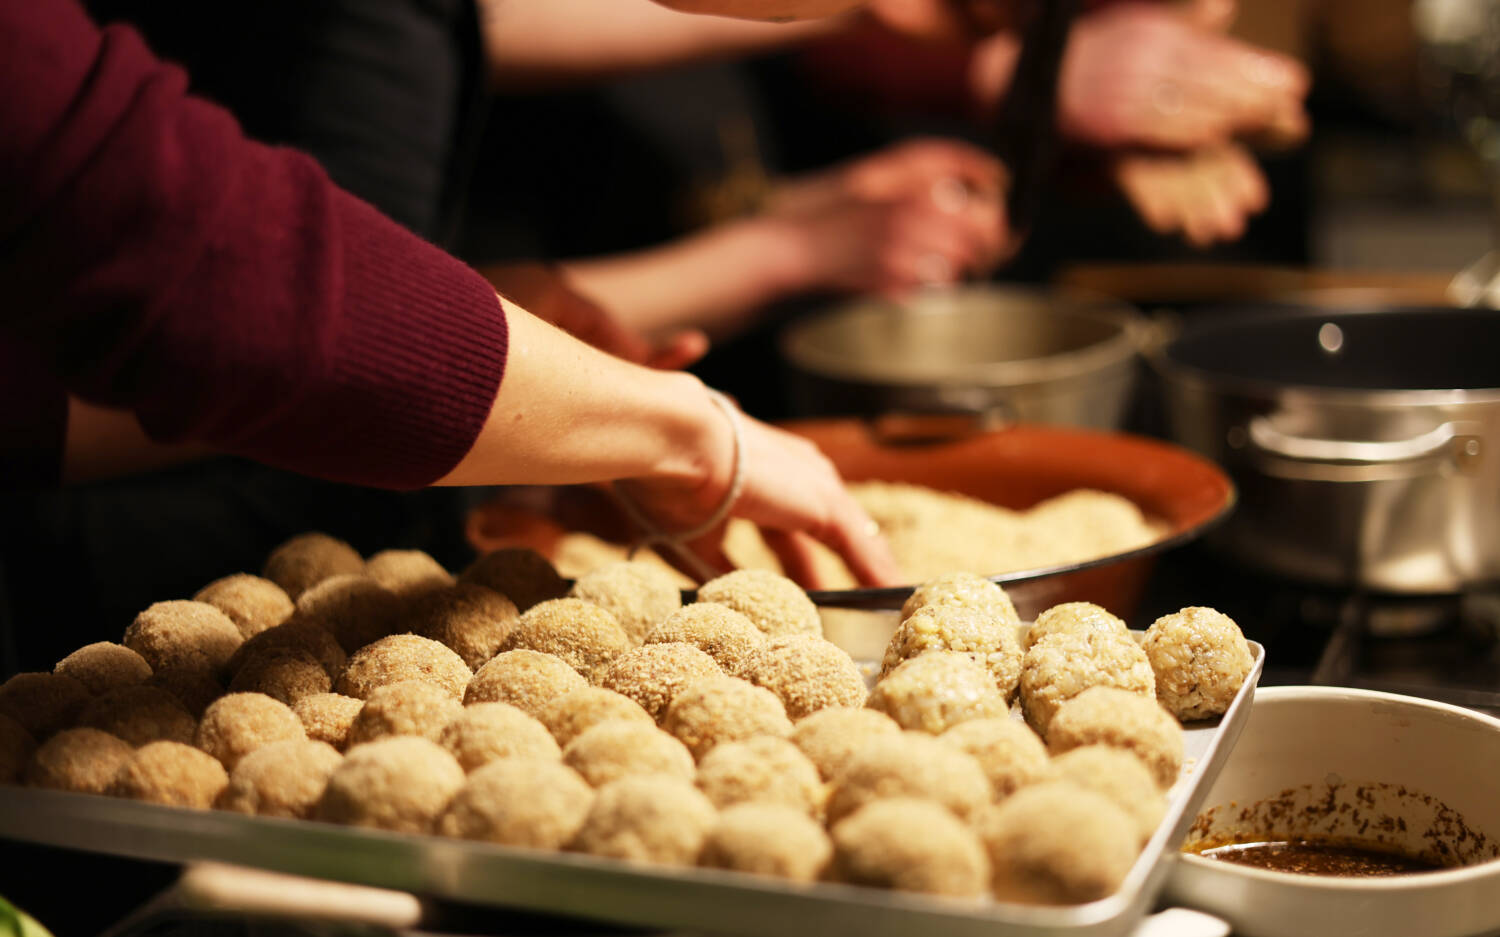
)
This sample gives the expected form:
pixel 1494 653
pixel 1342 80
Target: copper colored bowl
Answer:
pixel 1014 467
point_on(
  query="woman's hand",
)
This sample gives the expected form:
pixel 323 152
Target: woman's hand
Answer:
pixel 1206 195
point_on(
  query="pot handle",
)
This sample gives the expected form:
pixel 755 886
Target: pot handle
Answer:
pixel 1453 443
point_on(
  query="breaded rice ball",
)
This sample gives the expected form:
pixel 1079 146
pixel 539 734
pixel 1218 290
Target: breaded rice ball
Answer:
pixel 639 595
pixel 282 779
pixel 527 680
pixel 294 636
pixel 406 572
pixel 524 576
pixel 961 590
pixel 16 746
pixel 402 783
pixel 763 770
pixel 171 773
pixel 717 630
pixel 570 715
pixel 307 559
pixel 43 703
pixel 773 603
pixel 830 737
pixel 807 674
pixel 287 675
pixel 1121 719
pixel 538 803
pixel 194 689
pixel 485 732
pixel 612 750
pixel 252 603
pixel 237 724
pixel 584 635
pixel 989 640
pixel 141 715
pixel 1057 843
pixel 467 617
pixel 647 818
pixel 1097 523
pixel 328 716
pixel 722 709
pixel 654 673
pixel 400 657
pixel 407 707
pixel 1009 752
pixel 910 765
pixel 81 760
pixel 909 844
pixel 935 691
pixel 1200 659
pixel 768 839
pixel 184 636
pixel 1120 777
pixel 354 608
pixel 1074 618
pixel 104 666
pixel 1060 666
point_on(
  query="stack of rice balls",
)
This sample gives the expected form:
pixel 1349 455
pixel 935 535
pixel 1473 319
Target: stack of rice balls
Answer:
pixel 504 705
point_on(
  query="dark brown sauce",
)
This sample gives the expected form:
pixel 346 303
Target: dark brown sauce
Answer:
pixel 1310 857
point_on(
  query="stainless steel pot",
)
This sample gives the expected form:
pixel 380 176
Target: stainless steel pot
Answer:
pixel 996 354
pixel 1363 443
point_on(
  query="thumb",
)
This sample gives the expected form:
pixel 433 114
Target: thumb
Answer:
pixel 1215 15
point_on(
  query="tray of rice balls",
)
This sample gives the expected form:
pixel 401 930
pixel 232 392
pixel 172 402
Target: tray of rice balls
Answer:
pixel 602 750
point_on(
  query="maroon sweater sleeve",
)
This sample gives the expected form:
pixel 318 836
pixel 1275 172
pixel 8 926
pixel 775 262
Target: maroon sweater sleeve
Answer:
pixel 153 258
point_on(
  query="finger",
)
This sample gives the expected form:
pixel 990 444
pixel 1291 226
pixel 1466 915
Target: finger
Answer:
pixel 795 553
pixel 853 535
pixel 679 350
pixel 1216 15
pixel 701 559
pixel 1244 180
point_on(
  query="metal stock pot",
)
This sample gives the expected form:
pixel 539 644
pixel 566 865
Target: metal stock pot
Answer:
pixel 994 354
pixel 1363 443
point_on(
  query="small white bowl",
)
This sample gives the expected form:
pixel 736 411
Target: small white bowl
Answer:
pixel 1409 772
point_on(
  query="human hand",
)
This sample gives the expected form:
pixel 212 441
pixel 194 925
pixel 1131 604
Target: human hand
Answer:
pixel 791 491
pixel 1207 194
pixel 1144 74
pixel 925 212
pixel 943 20
pixel 544 291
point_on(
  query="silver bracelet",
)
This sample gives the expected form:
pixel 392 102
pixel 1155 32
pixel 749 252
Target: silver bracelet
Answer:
pixel 654 536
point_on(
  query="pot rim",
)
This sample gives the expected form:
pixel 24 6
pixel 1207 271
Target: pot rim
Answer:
pixel 1116 351
pixel 1425 881
pixel 1159 356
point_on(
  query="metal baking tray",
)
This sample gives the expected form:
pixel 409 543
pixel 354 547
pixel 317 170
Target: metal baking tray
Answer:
pixel 702 900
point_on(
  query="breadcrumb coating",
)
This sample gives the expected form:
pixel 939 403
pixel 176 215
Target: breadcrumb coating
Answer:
pixel 141 715
pixel 407 572
pixel 327 717
pixel 584 635
pixel 761 770
pixel 407 707
pixel 639 595
pixel 524 576
pixel 282 779
pixel 181 635
pixel 909 844
pixel 294 635
pixel 654 673
pixel 354 608
pixel 773 603
pixel 1056 843
pixel 571 714
pixel 768 839
pixel 1121 719
pixel 43 703
pixel 16 746
pixel 717 630
pixel 172 774
pixel 1117 775
pixel 647 818
pixel 486 732
pixel 467 617
pixel 830 737
pixel 527 680
pixel 252 603
pixel 1011 755
pixel 612 750
pixel 402 783
pixel 233 726
pixel 400 657
pixel 287 675
pixel 84 761
pixel 307 559
pixel 531 802
pixel 910 765
pixel 807 674
pixel 721 709
pixel 104 666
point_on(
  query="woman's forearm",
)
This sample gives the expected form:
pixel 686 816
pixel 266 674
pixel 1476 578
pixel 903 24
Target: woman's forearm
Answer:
pixel 712 280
